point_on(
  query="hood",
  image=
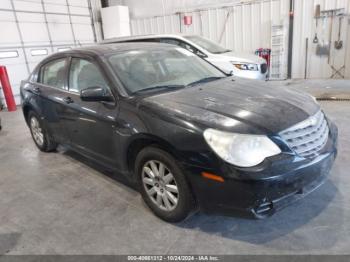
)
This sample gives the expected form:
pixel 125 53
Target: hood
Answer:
pixel 242 106
pixel 243 57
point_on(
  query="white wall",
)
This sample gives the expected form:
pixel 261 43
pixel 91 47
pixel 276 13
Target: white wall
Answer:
pixel 149 8
pixel 305 27
pixel 248 26
pixel 33 29
pixel 115 21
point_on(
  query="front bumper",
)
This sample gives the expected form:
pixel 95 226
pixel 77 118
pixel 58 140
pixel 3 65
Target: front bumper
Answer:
pixel 256 75
pixel 261 191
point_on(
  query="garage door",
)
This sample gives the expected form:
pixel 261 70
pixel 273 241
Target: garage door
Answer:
pixel 33 29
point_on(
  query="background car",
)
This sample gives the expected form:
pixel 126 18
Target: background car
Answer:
pixel 239 64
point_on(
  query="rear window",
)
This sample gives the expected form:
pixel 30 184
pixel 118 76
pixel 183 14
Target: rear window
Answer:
pixel 53 73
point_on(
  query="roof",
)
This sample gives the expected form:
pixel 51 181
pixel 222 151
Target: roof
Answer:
pixel 141 37
pixel 116 47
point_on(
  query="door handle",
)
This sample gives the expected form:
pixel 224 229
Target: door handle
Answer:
pixel 36 89
pixel 68 100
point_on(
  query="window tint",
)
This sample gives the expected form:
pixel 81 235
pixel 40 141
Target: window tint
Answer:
pixel 182 44
pixel 179 43
pixel 188 47
pixel 53 73
pixel 84 74
pixel 173 66
pixel 144 40
pixel 207 44
pixel 170 41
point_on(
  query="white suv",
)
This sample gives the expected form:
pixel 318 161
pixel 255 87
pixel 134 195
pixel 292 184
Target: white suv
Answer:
pixel 239 64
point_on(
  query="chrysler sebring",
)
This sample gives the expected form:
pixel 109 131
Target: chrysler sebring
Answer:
pixel 188 135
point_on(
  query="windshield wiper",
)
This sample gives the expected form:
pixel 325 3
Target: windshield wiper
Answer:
pixel 160 87
pixel 205 80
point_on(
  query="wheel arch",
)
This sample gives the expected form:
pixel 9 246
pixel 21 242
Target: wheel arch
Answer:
pixel 26 109
pixel 142 141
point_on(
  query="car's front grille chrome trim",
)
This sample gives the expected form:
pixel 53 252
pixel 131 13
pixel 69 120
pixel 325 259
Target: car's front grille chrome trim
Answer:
pixel 308 137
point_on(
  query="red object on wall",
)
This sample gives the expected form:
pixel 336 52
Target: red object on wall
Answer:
pixel 264 53
pixel 188 20
pixel 6 87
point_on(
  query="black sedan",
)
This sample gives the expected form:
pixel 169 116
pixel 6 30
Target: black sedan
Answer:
pixel 190 136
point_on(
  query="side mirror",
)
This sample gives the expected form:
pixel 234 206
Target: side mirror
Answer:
pixel 95 94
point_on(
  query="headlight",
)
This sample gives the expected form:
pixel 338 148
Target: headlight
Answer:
pixel 240 149
pixel 243 66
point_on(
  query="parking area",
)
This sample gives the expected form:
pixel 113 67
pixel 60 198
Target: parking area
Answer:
pixel 60 203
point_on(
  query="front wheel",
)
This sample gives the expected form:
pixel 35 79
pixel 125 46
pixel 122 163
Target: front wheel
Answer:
pixel 163 185
pixel 40 135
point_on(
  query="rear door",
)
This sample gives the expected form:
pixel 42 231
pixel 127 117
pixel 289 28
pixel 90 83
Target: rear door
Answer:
pixel 90 124
pixel 51 86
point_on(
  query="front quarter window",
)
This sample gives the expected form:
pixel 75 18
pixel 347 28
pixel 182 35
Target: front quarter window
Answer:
pixel 84 74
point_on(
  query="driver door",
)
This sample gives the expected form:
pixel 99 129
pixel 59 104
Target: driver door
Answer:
pixel 90 124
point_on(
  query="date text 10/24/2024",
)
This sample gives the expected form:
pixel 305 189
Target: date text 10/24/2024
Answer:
pixel 173 258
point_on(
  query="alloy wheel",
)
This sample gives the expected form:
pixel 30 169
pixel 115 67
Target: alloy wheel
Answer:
pixel 160 185
pixel 37 131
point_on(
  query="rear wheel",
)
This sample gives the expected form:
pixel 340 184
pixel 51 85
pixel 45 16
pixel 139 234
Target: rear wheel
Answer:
pixel 41 137
pixel 163 185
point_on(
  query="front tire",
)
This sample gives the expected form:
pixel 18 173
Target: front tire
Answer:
pixel 163 185
pixel 40 135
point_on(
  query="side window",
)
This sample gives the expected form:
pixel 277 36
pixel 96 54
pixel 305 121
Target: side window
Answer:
pixel 192 49
pixel 188 47
pixel 170 41
pixel 53 73
pixel 84 74
pixel 151 40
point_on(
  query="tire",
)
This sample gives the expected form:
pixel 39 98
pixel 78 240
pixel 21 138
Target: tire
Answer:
pixel 169 212
pixel 45 143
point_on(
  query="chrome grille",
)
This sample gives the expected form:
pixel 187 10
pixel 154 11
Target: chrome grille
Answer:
pixel 307 138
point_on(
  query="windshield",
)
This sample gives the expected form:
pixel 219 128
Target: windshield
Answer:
pixel 207 44
pixel 152 69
